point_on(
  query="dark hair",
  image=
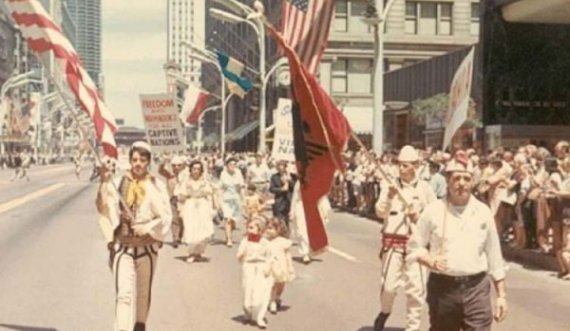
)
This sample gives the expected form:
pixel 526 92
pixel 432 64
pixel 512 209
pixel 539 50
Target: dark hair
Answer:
pixel 252 187
pixel 142 151
pixel 193 163
pixel 551 164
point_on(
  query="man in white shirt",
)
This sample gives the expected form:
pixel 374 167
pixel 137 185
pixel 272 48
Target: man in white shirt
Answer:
pixel 399 222
pixel 136 217
pixel 464 250
pixel 258 174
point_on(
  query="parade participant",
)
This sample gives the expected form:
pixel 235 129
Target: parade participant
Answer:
pixel 26 163
pixel 281 262
pixel 258 174
pixel 254 254
pixel 140 214
pixel 231 186
pixel 17 164
pixel 436 180
pixel 281 185
pixel 77 160
pixel 173 177
pixel 253 203
pixel 399 223
pixel 198 206
pixel 299 222
pixel 456 238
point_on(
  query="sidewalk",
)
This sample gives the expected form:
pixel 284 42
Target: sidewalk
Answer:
pixel 528 258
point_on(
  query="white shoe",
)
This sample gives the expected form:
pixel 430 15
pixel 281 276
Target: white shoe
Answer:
pixel 261 323
pixel 273 307
pixel 306 259
pixel 190 259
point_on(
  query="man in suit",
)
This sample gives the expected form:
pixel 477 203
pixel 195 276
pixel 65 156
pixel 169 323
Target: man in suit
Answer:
pixel 281 185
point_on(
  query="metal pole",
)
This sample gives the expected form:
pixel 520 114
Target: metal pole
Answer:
pixel 378 100
pixel 223 124
pixel 262 98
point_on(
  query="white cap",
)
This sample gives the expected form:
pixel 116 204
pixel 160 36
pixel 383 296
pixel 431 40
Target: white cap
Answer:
pixel 177 160
pixel 408 154
pixel 141 144
pixel 460 163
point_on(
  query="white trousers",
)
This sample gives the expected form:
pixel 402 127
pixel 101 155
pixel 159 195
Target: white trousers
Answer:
pixel 397 272
pixel 256 289
pixel 133 268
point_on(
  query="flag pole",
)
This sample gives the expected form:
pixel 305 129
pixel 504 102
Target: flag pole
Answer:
pixel 59 90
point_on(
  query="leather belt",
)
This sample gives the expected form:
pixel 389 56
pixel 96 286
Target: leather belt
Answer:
pixel 459 279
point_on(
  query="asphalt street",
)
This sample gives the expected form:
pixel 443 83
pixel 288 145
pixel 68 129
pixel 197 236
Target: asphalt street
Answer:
pixel 54 273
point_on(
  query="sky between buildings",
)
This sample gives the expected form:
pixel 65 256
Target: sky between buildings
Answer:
pixel 133 53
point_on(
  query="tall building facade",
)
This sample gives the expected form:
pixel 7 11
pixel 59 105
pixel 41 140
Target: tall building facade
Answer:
pixel 186 22
pixel 86 14
pixel 415 30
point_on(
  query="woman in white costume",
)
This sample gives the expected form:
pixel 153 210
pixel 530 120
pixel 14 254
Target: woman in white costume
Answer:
pixel 198 205
pixel 297 216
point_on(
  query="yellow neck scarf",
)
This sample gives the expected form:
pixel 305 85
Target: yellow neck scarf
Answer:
pixel 136 191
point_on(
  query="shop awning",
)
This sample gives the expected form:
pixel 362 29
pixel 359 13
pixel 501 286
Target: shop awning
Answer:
pixel 241 131
pixel 533 11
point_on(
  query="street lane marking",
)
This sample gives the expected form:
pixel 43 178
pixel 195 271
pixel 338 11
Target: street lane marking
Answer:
pixel 29 197
pixel 343 255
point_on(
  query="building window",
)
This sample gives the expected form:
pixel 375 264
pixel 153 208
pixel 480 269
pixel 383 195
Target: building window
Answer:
pixel 429 18
pixel 339 76
pixel 357 11
pixel 340 23
pixel 411 18
pixel 475 19
pixel 360 75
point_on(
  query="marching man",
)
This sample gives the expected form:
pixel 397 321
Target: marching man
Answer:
pixel 399 222
pixel 138 218
pixel 457 239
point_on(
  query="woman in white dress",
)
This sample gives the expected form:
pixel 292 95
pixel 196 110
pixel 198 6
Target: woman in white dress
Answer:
pixel 231 186
pixel 297 216
pixel 198 205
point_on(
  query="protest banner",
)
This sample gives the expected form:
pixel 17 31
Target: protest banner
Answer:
pixel 164 130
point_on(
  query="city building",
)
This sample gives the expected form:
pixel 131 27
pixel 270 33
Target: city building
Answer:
pixel 415 31
pixel 241 42
pixel 185 23
pixel 7 45
pixel 86 14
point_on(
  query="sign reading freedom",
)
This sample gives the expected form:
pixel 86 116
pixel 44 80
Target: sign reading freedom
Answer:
pixel 164 130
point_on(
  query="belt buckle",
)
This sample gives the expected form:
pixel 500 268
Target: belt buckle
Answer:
pixel 462 279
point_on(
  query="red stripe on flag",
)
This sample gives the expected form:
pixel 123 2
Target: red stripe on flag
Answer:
pixel 198 109
pixel 25 19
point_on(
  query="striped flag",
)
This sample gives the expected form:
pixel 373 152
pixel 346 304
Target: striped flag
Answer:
pixel 232 70
pixel 44 36
pixel 194 101
pixel 305 25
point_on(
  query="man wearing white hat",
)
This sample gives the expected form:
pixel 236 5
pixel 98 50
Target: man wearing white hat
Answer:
pixel 173 178
pixel 457 239
pixel 137 210
pixel 400 214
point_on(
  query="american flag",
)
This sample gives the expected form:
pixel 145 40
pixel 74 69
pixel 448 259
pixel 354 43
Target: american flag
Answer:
pixel 305 26
pixel 44 36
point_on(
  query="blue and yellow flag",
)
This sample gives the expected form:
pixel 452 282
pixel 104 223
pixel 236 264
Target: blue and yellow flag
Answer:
pixel 232 70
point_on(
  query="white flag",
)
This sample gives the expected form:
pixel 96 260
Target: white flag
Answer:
pixel 459 96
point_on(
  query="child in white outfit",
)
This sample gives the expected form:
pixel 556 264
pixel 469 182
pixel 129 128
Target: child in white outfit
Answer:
pixel 254 255
pixel 281 262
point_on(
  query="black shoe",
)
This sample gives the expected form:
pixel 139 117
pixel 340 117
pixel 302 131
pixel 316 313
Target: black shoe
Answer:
pixel 139 327
pixel 380 321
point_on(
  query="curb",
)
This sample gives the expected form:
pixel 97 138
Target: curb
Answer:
pixel 530 258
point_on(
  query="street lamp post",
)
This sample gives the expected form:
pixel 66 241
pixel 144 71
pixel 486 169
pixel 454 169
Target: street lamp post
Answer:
pixel 378 98
pixel 208 57
pixel 259 28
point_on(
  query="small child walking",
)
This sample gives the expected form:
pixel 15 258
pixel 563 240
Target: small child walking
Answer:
pixel 281 262
pixel 254 256
pixel 253 203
